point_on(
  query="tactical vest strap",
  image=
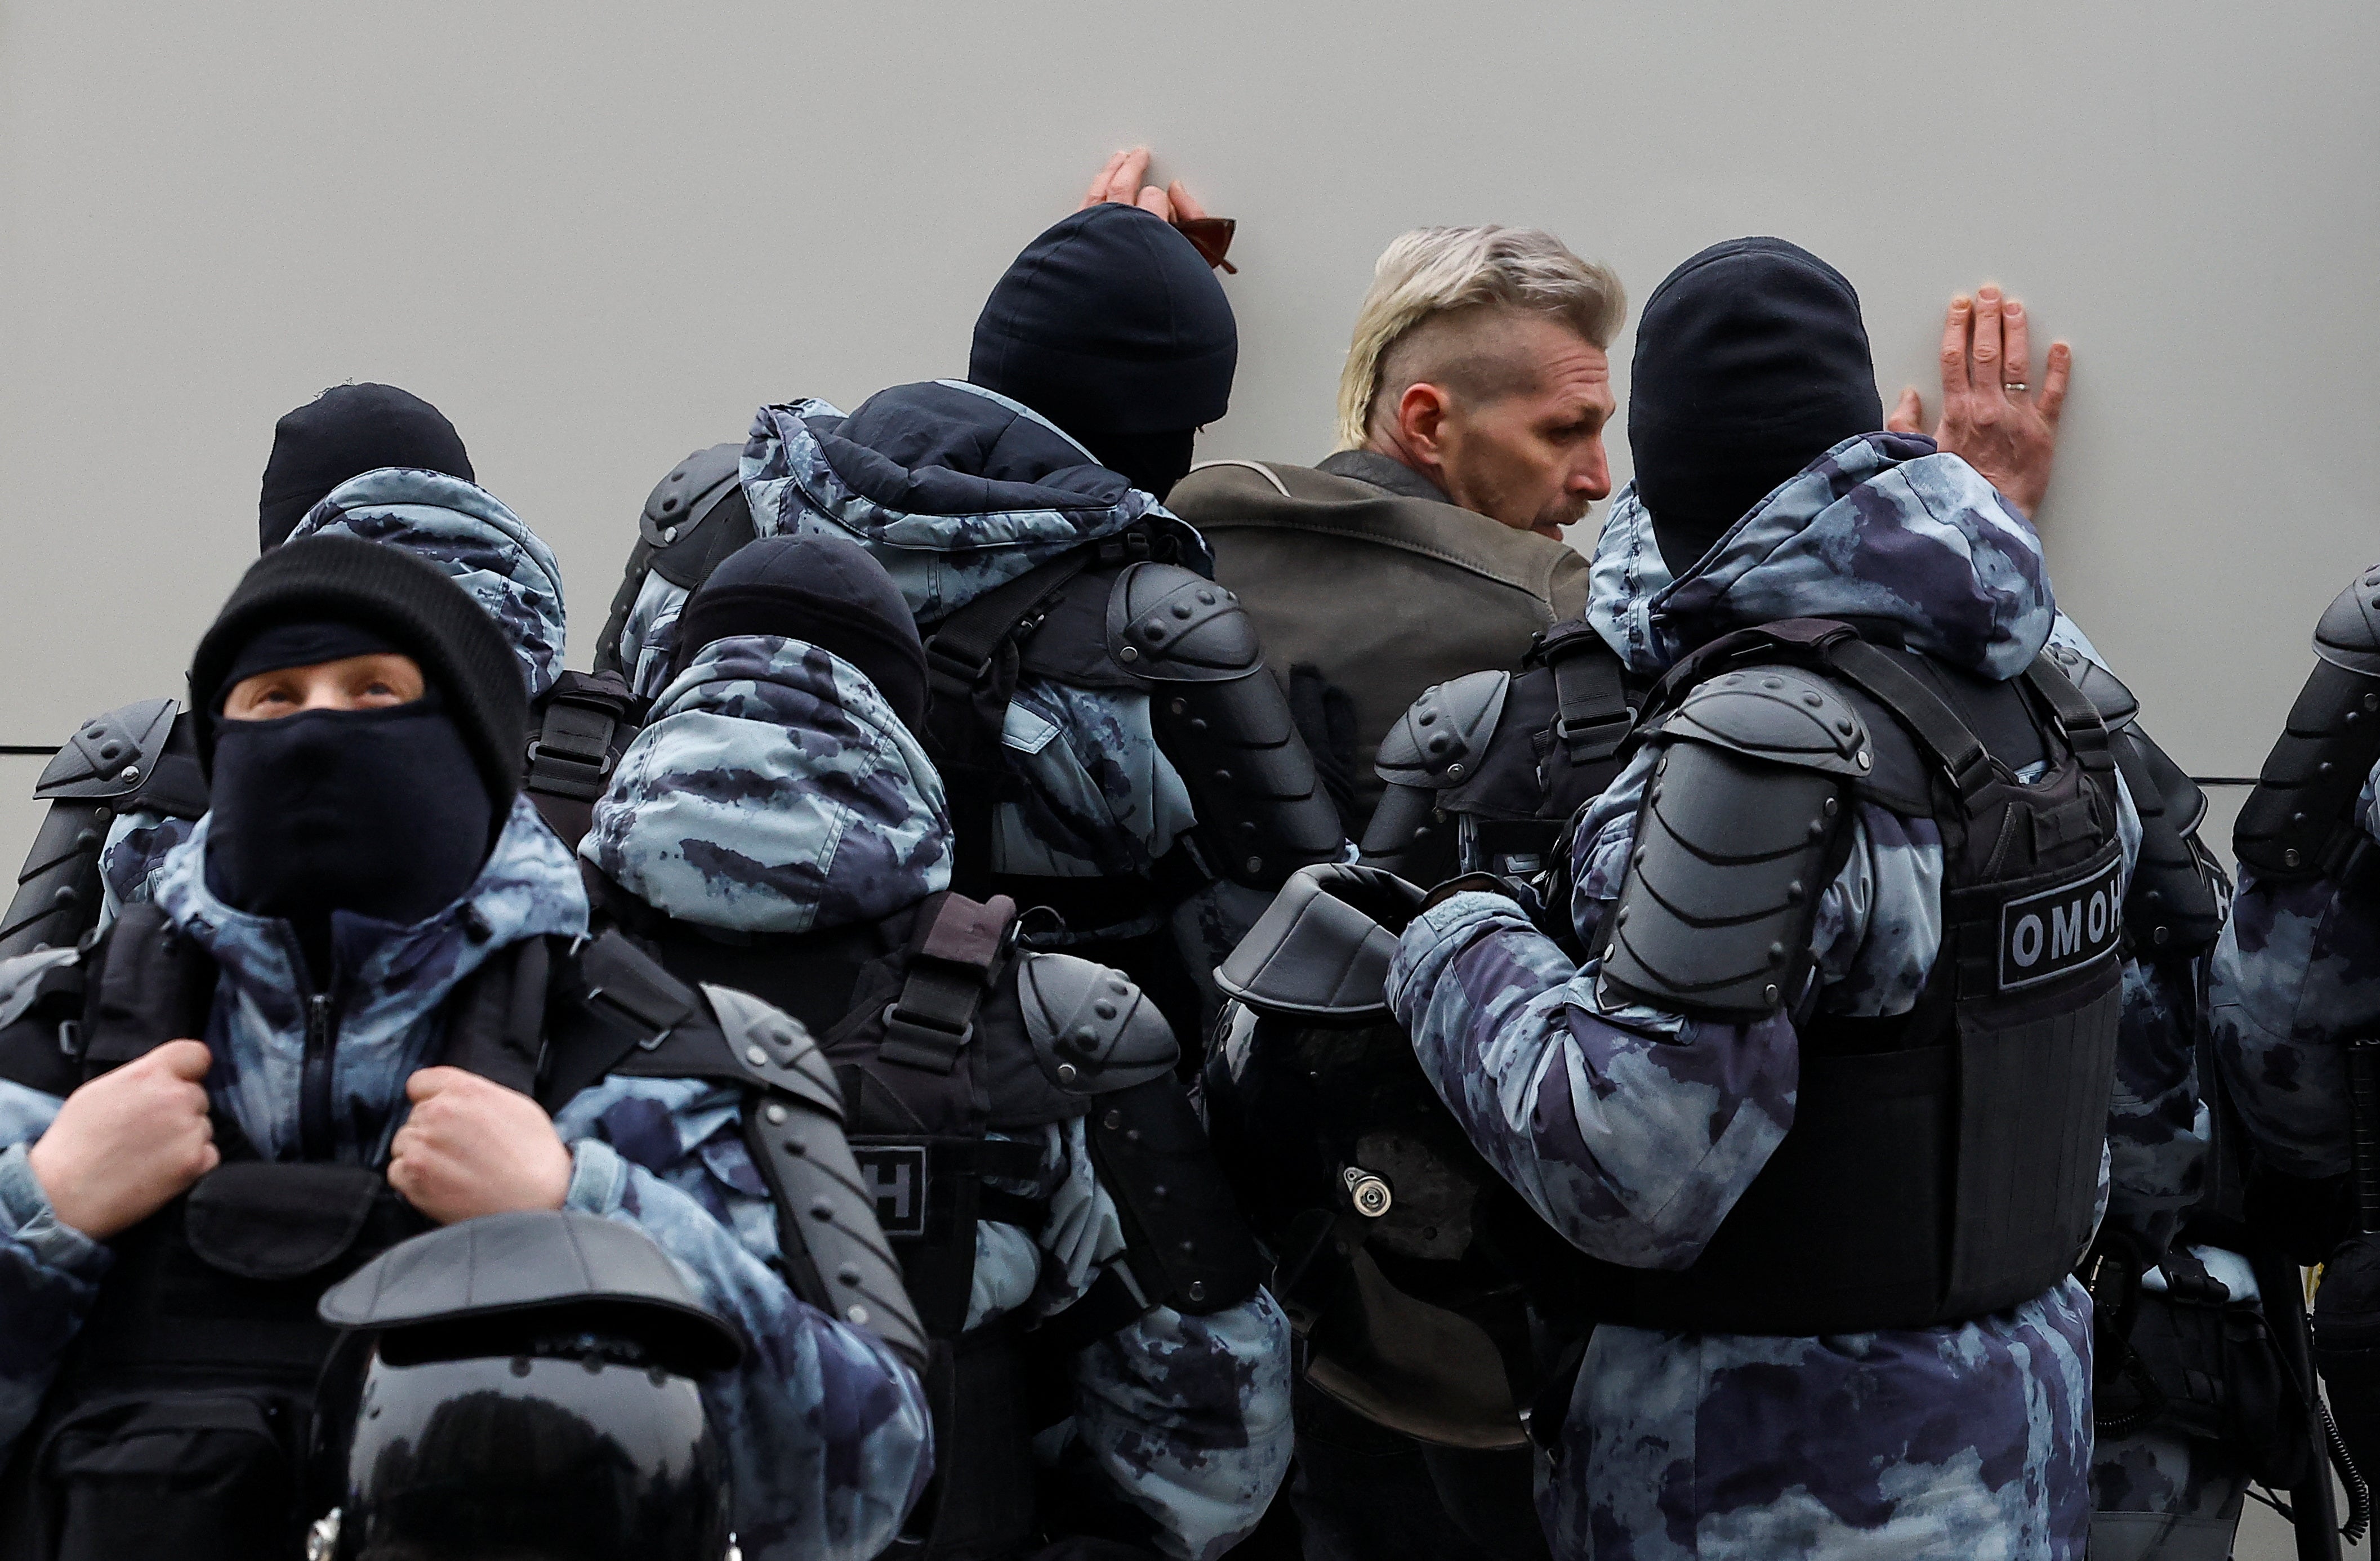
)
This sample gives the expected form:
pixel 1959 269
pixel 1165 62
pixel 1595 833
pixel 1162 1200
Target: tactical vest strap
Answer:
pixel 971 666
pixel 579 738
pixel 1592 713
pixel 2086 730
pixel 964 947
pixel 154 987
pixel 1936 726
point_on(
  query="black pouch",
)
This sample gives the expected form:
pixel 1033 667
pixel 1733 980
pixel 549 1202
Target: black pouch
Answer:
pixel 197 1475
pixel 2202 1364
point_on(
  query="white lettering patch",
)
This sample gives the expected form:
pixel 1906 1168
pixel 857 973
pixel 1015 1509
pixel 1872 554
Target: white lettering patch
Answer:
pixel 2058 931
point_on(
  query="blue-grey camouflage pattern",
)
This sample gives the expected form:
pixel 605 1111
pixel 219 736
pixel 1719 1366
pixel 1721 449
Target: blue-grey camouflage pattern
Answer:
pixel 1633 1130
pixel 2297 975
pixel 770 752
pixel 466 531
pixel 828 1429
pixel 1100 797
pixel 773 790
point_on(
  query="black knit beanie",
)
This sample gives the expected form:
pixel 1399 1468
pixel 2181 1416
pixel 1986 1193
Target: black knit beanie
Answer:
pixel 1110 324
pixel 343 432
pixel 403 600
pixel 824 591
pixel 1751 362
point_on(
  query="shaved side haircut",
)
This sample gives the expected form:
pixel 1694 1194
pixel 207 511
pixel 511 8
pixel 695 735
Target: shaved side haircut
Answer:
pixel 1439 309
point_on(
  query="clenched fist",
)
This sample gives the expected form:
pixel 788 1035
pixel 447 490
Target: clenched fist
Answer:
pixel 472 1147
pixel 129 1142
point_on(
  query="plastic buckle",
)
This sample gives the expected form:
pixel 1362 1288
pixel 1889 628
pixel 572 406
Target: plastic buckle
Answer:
pixel 952 673
pixel 1606 735
pixel 916 1042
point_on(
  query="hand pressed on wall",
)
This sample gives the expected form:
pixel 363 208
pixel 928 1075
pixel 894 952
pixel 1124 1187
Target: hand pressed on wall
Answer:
pixel 1996 416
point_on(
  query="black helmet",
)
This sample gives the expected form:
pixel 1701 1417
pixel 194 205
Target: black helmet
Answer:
pixel 530 1395
pixel 1405 1261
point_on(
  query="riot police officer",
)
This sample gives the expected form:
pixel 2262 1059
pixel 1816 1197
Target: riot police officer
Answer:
pixel 1839 1061
pixel 1072 1252
pixel 361 1001
pixel 1096 702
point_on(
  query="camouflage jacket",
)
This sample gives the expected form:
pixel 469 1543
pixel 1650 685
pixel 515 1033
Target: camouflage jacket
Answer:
pixel 956 490
pixel 826 1430
pixel 1633 1130
pixel 463 529
pixel 773 790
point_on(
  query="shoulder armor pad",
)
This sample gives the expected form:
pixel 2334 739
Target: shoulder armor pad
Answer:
pixel 1777 714
pixel 2348 632
pixel 111 755
pixel 1169 624
pixel 775 1048
pixel 2116 703
pixel 1439 740
pixel 1321 948
pixel 527 1260
pixel 1093 1031
pixel 690 520
pixel 1728 861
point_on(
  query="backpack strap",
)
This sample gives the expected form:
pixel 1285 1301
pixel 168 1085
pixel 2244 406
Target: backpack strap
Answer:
pixel 1592 715
pixel 964 947
pixel 971 669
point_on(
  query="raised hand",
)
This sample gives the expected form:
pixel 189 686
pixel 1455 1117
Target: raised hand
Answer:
pixel 1993 416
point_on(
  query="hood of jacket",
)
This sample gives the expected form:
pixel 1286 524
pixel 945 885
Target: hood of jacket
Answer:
pixel 1881 526
pixel 954 488
pixel 468 532
pixel 773 789
pixel 384 994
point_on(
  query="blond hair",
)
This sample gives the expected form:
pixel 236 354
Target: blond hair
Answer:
pixel 1433 272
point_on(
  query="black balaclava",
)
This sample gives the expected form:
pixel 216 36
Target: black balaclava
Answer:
pixel 1751 362
pixel 1112 326
pixel 346 430
pixel 387 814
pixel 824 591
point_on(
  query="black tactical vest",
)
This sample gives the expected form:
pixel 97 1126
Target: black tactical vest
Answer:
pixel 1942 1164
pixel 181 1417
pixel 946 1038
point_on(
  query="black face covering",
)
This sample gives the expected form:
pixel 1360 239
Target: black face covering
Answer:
pixel 1153 461
pixel 382 813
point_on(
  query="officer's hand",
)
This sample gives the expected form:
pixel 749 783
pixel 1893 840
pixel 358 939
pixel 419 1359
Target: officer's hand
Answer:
pixel 472 1147
pixel 2010 435
pixel 129 1142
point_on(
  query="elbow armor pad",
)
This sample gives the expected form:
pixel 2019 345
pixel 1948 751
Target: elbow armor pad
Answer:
pixel 127 760
pixel 1435 745
pixel 1223 722
pixel 695 517
pixel 2298 821
pixel 1095 1035
pixel 834 1253
pixel 1745 820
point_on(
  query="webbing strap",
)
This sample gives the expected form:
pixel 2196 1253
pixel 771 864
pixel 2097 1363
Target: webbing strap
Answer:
pixel 969 682
pixel 1591 717
pixel 572 756
pixel 2086 730
pixel 1936 726
pixel 932 1020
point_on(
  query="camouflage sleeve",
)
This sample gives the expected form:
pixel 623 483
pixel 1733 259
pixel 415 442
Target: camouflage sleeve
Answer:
pixel 2296 972
pixel 135 848
pixel 1100 797
pixel 1631 1132
pixel 49 1271
pixel 2157 1128
pixel 1184 1422
pixel 648 639
pixel 826 1430
pixel 1181 1428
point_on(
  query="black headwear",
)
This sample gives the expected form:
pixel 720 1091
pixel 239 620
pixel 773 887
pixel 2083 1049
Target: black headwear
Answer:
pixel 1751 362
pixel 346 430
pixel 1111 324
pixel 822 590
pixel 407 601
